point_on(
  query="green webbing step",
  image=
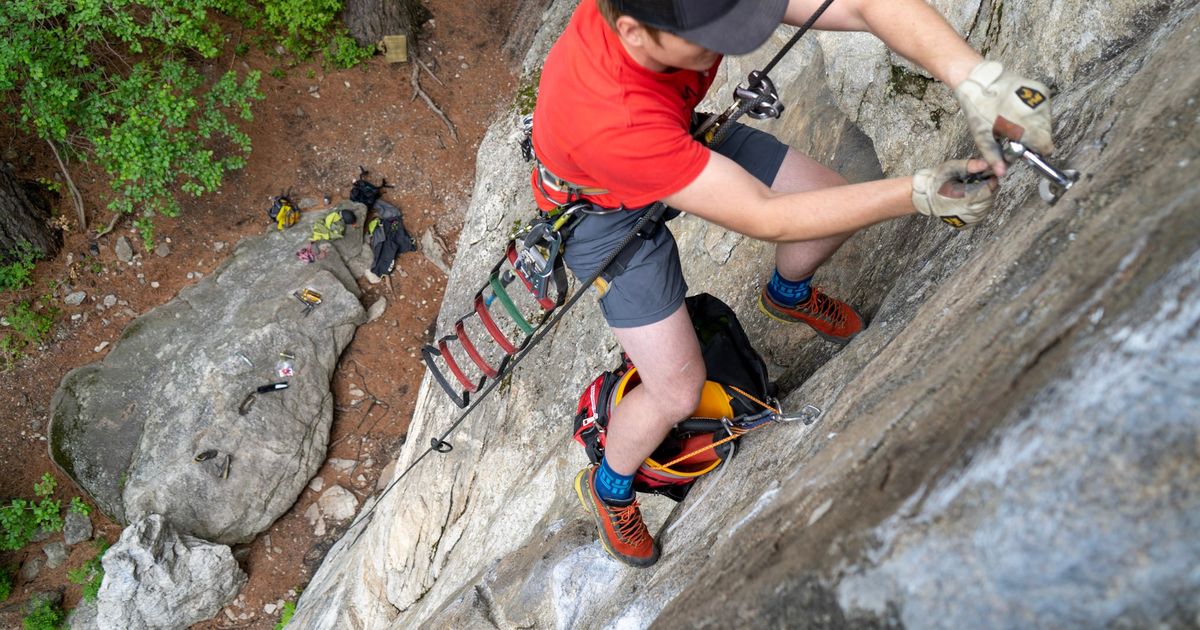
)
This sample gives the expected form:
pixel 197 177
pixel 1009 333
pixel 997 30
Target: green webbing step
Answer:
pixel 502 295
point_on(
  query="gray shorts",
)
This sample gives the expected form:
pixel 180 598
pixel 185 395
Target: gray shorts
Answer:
pixel 651 286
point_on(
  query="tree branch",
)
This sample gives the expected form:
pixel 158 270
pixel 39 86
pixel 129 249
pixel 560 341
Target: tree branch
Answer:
pixel 76 198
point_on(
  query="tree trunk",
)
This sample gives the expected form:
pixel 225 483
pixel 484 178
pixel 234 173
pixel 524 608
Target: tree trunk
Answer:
pixel 370 20
pixel 25 216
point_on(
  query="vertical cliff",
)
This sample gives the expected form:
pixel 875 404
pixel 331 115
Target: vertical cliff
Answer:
pixel 1012 442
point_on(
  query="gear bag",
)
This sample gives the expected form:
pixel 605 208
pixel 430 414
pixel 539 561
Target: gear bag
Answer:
pixel 364 192
pixel 736 386
pixel 283 212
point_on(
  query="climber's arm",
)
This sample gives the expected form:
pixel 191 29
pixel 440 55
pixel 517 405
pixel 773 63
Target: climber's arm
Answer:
pixel 727 195
pixel 912 28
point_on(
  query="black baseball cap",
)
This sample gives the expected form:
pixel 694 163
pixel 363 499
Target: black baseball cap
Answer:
pixel 730 27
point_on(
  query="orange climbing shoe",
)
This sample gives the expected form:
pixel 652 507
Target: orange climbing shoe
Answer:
pixel 833 319
pixel 622 531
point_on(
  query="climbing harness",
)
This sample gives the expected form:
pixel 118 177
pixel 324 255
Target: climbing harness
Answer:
pixel 529 257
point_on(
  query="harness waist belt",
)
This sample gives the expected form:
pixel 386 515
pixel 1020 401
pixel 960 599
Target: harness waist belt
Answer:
pixel 546 179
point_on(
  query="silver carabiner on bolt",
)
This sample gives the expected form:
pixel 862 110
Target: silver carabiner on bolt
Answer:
pixel 808 414
pixel 759 87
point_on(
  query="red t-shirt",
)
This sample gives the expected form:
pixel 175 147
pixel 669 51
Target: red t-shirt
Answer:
pixel 603 120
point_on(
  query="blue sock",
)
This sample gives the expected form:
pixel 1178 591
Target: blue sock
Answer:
pixel 787 292
pixel 613 488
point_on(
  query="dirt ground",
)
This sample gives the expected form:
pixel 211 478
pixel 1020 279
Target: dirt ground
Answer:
pixel 310 135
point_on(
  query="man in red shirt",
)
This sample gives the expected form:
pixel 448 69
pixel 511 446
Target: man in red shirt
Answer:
pixel 612 125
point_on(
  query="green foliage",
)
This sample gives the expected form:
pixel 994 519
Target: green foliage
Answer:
pixel 79 507
pixel 91 573
pixel 18 273
pixel 47 615
pixel 285 616
pixel 300 25
pixel 8 575
pixel 527 93
pixel 344 52
pixel 29 326
pixel 108 83
pixel 20 519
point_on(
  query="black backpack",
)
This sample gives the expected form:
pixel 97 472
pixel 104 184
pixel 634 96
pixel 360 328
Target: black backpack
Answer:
pixel 364 192
pixel 735 392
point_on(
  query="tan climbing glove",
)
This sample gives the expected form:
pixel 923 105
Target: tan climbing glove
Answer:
pixel 959 192
pixel 1001 105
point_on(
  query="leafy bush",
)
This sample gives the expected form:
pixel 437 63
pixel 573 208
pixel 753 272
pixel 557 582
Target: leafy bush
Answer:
pixel 28 326
pixel 107 82
pixel 18 273
pixel 21 519
pixel 301 24
pixel 344 52
pixel 8 576
pixel 285 615
pixel 47 615
pixel 91 573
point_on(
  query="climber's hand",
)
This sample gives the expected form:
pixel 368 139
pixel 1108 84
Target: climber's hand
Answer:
pixel 1001 105
pixel 959 192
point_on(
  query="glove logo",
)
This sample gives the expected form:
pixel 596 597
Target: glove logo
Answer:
pixel 954 221
pixel 1030 97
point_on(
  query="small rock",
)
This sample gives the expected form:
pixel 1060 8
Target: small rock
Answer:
pixel 31 568
pixel 338 503
pixel 54 597
pixel 317 484
pixel 41 534
pixel 301 113
pixel 218 246
pixel 229 613
pixel 56 554
pixel 341 465
pixel 377 309
pixel 356 392
pixel 76 317
pixel 154 285
pixel 385 476
pixel 124 249
pixel 312 514
pixel 76 528
pixel 75 299
pixel 101 347
pixel 110 301
pixel 372 278
pixel 319 530
pixel 269 609
pixel 163 250
pixel 190 275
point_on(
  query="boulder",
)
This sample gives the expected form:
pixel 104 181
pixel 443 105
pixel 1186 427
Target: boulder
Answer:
pixel 77 528
pixel 156 578
pixel 169 421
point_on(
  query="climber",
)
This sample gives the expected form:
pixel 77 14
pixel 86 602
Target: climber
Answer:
pixel 611 126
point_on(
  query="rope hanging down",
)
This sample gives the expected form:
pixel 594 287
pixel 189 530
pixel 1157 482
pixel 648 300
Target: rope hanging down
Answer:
pixel 759 99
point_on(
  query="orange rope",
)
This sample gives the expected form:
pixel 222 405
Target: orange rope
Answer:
pixel 735 433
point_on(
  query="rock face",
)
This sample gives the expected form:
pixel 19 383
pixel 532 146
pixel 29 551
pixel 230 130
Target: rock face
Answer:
pixel 1011 443
pixel 158 425
pixel 156 578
